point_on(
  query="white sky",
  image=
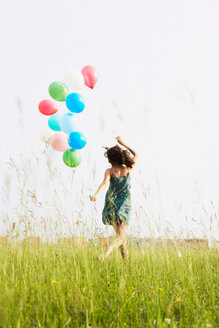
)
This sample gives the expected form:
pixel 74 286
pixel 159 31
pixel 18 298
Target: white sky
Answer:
pixel 157 60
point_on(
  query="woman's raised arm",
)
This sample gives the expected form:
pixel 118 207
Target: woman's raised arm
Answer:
pixel 134 153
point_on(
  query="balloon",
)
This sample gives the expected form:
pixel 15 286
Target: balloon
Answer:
pixel 75 102
pixel 72 157
pixel 90 76
pixel 54 122
pixel 58 91
pixel 59 141
pixel 68 124
pixel 47 107
pixel 45 134
pixel 77 140
pixel 74 79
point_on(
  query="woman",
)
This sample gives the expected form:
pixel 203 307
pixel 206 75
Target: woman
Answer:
pixel 117 206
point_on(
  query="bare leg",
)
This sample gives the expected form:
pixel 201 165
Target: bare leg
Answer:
pixel 123 247
pixel 120 241
pixel 124 250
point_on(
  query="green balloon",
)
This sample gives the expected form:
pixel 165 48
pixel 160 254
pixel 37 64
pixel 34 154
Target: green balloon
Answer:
pixel 72 157
pixel 58 91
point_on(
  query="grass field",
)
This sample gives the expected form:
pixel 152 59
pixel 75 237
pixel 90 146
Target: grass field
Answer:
pixel 67 286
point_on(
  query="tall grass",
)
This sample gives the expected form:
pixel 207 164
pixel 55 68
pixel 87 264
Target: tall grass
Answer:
pixel 44 198
pixel 67 286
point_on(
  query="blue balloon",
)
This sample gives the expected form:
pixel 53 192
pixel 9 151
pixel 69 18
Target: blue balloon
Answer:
pixel 54 122
pixel 75 102
pixel 77 140
pixel 68 124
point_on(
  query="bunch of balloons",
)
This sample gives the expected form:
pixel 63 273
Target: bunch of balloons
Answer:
pixel 67 138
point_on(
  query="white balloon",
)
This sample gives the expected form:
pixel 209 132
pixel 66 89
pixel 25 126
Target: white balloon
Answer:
pixel 45 134
pixel 74 79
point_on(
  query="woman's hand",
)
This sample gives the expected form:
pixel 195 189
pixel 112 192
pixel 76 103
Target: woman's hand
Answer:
pixel 101 186
pixel 119 139
pixel 134 153
pixel 93 198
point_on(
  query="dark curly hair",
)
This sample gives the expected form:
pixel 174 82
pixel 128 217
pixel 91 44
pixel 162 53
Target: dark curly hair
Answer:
pixel 118 156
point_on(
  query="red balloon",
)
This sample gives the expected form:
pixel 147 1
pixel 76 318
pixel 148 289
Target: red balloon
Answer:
pixel 47 107
pixel 90 76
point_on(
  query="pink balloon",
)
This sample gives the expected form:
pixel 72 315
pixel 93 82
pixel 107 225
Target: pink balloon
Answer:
pixel 47 107
pixel 59 141
pixel 90 76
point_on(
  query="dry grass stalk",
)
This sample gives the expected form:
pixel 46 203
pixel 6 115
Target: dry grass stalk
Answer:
pixel 180 242
pixel 75 240
pixel 31 241
pixel 78 241
pixel 3 240
pixel 64 241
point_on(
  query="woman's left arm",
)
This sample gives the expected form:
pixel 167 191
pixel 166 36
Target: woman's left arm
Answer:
pixel 102 185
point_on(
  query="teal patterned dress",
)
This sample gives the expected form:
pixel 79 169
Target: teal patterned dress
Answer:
pixel 117 201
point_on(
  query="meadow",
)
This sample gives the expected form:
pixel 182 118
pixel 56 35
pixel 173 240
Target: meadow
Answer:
pixel 66 285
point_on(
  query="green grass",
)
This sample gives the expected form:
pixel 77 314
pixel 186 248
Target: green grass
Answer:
pixel 65 286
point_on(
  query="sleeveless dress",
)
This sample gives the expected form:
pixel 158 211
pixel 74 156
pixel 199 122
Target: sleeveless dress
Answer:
pixel 117 201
